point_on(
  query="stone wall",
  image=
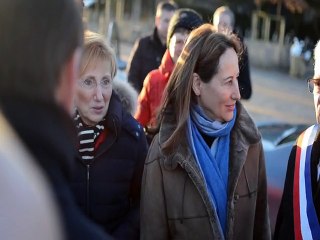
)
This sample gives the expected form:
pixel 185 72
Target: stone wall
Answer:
pixel 268 54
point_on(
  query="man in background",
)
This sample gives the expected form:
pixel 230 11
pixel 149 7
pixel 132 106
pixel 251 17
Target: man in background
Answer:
pixel 147 52
pixel 181 24
pixel 40 54
pixel 224 20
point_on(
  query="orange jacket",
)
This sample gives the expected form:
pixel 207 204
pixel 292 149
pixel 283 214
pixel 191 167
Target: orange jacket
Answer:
pixel 150 97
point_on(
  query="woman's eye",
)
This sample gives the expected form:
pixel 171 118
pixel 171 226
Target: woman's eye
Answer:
pixel 229 83
pixel 105 82
pixel 88 82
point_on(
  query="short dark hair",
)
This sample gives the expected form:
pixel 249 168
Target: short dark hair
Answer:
pixel 38 38
pixel 169 6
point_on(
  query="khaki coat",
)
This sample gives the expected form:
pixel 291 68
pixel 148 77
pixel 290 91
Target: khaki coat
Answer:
pixel 175 203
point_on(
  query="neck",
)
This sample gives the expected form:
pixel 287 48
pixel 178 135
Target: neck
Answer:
pixel 162 40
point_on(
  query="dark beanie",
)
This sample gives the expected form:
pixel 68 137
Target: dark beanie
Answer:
pixel 183 18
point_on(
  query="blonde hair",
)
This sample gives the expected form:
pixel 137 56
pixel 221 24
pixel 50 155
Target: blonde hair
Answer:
pixel 96 49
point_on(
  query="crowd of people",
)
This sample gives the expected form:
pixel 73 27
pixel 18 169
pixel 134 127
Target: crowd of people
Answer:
pixel 170 154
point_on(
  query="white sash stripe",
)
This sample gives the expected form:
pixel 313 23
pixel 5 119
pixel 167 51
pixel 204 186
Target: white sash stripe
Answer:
pixel 305 227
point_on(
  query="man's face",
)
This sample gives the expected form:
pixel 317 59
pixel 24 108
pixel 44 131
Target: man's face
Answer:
pixel 162 23
pixel 223 23
pixel 316 91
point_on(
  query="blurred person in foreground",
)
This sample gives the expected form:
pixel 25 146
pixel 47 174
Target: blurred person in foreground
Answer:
pixel 22 215
pixel 147 51
pixel 40 54
pixel 112 146
pixel 204 176
pixel 181 24
pixel 224 20
pixel 299 212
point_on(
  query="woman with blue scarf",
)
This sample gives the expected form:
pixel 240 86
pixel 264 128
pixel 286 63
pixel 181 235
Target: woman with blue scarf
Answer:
pixel 204 177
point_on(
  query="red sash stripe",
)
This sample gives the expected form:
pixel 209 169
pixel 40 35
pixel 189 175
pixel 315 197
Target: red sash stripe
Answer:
pixel 306 224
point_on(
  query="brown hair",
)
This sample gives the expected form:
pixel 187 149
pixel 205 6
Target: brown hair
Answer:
pixel 200 55
pixel 168 6
pixel 97 49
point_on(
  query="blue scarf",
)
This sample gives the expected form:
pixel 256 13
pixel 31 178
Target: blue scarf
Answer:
pixel 213 161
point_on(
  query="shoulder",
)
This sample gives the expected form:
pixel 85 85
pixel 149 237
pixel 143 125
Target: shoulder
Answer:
pixel 132 127
pixel 245 129
pixel 145 40
pixel 153 77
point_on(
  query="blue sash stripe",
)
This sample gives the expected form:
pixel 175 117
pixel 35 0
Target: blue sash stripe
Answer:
pixel 311 213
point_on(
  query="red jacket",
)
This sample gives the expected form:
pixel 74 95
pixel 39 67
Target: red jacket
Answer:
pixel 150 97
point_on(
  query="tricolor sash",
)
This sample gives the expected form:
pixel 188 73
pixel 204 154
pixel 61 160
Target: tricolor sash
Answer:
pixel 306 224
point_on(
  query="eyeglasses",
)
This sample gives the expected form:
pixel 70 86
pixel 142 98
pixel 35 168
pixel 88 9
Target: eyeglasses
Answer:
pixel 90 83
pixel 314 85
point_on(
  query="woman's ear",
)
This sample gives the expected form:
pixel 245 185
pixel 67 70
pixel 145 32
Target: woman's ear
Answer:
pixel 196 82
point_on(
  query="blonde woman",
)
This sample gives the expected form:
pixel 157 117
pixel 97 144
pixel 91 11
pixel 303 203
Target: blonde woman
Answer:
pixel 112 146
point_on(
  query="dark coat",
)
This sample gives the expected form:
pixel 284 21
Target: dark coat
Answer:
pixel 244 78
pixel 49 135
pixel 284 228
pixel 145 56
pixel 108 188
pixel 175 203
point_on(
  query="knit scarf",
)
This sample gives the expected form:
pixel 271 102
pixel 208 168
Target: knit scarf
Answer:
pixel 87 136
pixel 213 161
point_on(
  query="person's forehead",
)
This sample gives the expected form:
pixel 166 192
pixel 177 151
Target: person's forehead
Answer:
pixel 224 17
pixel 166 14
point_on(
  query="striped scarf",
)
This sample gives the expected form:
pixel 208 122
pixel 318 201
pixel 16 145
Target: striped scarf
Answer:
pixel 87 136
pixel 306 224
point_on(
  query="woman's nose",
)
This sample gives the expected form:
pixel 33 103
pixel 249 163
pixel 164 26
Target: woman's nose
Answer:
pixel 98 93
pixel 236 92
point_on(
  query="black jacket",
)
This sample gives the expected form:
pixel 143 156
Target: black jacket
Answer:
pixel 48 134
pixel 108 187
pixel 145 56
pixel 284 228
pixel 244 78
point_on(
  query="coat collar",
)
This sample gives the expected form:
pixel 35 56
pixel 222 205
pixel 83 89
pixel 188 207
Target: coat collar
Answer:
pixel 167 64
pixel 155 38
pixel 113 119
pixel 243 134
